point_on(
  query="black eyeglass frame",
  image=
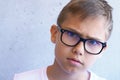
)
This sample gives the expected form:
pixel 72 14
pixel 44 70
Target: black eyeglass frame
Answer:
pixel 81 39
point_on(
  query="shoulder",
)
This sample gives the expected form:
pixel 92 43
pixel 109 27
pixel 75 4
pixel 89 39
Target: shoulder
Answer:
pixel 95 77
pixel 31 75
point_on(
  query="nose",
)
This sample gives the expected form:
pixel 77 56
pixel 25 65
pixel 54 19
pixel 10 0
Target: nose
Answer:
pixel 79 49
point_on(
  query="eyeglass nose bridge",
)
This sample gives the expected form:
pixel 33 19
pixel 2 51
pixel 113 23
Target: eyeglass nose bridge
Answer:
pixel 81 40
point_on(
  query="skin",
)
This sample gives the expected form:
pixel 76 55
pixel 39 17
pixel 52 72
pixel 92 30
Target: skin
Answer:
pixel 65 65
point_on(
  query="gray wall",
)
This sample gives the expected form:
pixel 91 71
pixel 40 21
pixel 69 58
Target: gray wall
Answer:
pixel 25 38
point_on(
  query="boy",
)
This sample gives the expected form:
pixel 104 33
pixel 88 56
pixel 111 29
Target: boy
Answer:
pixel 80 36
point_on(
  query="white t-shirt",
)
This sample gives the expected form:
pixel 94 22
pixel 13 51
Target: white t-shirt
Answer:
pixel 40 74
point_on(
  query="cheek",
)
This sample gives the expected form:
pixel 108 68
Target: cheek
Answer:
pixel 90 60
pixel 60 54
pixel 61 50
pixel 60 47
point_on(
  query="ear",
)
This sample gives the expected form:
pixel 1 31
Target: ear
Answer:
pixel 53 31
pixel 100 55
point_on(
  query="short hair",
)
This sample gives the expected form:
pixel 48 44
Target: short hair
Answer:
pixel 88 8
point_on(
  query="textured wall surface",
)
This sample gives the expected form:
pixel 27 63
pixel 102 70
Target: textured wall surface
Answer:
pixel 25 38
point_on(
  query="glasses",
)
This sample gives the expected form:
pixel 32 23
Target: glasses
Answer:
pixel 72 39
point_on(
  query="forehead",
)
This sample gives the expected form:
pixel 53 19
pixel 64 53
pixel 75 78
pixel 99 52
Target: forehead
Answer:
pixel 92 27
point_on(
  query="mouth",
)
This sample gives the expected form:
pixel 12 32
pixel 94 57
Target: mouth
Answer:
pixel 75 61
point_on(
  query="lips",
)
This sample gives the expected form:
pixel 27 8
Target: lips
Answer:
pixel 74 61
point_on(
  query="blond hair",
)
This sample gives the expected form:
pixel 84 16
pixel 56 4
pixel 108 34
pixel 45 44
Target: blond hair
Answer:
pixel 88 8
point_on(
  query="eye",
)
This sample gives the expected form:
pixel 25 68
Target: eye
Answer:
pixel 72 34
pixel 93 42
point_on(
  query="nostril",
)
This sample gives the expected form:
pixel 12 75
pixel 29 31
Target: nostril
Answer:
pixel 77 52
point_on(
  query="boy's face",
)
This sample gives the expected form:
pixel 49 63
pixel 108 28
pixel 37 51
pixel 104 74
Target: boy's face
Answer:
pixel 76 59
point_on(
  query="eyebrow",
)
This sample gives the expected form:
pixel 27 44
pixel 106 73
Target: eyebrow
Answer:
pixel 81 35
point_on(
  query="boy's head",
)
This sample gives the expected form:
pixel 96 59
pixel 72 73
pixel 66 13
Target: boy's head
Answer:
pixel 81 34
pixel 88 8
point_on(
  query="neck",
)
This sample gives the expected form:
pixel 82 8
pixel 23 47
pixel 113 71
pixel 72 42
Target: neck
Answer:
pixel 56 73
